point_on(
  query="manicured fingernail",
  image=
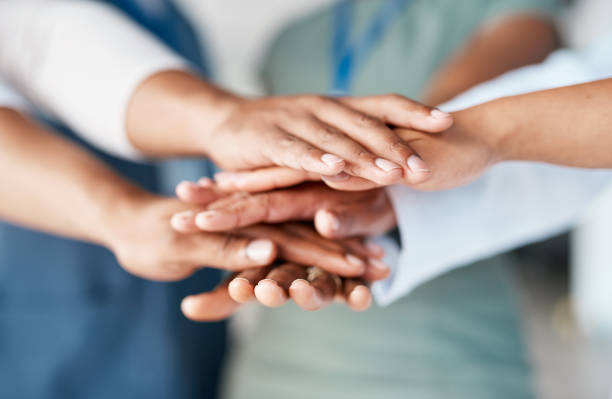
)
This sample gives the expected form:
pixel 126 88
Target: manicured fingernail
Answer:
pixel 374 248
pixel 185 187
pixel 385 165
pixel 417 165
pixel 331 159
pixel 340 177
pixel 272 295
pixel 260 251
pixel 240 290
pixel 300 282
pixel 438 114
pixel 181 218
pixel 377 264
pixel 330 220
pixel 189 305
pixel 205 182
pixel 360 296
pixel 203 219
pixel 353 260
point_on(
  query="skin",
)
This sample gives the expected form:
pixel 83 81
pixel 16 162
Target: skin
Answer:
pixel 303 132
pixel 494 49
pixel 348 214
pixel 135 225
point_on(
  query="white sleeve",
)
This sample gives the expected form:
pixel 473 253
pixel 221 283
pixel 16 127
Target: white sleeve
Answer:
pixel 511 205
pixel 9 98
pixel 80 61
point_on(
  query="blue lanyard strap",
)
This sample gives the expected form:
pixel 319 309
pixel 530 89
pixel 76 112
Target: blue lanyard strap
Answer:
pixel 347 57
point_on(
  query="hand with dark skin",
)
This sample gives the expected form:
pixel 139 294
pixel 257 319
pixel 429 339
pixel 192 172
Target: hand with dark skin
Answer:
pixel 338 215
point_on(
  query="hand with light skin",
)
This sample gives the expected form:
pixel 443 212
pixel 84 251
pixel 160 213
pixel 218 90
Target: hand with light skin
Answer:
pixel 173 113
pixel 336 214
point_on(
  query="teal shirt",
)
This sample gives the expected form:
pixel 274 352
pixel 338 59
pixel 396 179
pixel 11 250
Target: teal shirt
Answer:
pixel 458 336
pixel 412 49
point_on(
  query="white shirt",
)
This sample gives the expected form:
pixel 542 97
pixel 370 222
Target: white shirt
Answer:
pixel 512 204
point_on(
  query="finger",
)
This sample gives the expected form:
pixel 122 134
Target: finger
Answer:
pixel 372 133
pixel 375 268
pixel 201 193
pixel 316 293
pixel 352 220
pixel 298 203
pixel 241 287
pixel 400 111
pixel 364 248
pixel 209 306
pixel 273 291
pixel 266 179
pixel 304 252
pixel 269 207
pixel 184 222
pixel 357 295
pixel 287 149
pixel 345 182
pixel 224 251
pixel 359 160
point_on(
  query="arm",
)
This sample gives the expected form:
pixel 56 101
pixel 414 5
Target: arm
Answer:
pixel 567 126
pixel 125 92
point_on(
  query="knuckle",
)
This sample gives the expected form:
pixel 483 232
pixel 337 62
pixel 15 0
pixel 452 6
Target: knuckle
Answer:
pixel 397 146
pixel 369 122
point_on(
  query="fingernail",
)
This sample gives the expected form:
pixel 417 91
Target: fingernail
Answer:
pixel 260 251
pixel 375 248
pixel 377 264
pixel 179 219
pixel 385 165
pixel 417 165
pixel 185 187
pixel 205 182
pixel 353 260
pixel 203 218
pixel 331 220
pixel 336 178
pixel 331 159
pixel 298 282
pixel 438 114
pixel 189 305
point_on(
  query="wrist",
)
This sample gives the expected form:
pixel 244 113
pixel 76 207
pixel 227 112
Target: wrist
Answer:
pixel 116 208
pixel 478 124
pixel 175 113
pixel 207 110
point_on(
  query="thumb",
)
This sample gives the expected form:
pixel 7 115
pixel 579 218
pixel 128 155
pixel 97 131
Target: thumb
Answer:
pixel 354 220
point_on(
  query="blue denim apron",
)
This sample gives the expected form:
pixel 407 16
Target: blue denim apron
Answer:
pixel 74 324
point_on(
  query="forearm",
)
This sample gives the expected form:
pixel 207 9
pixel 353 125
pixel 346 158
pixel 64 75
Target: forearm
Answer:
pixel 172 113
pixel 566 126
pixel 51 185
pixel 510 44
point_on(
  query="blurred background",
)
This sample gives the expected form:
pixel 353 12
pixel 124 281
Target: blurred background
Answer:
pixel 564 283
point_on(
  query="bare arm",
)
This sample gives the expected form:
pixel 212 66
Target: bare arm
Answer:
pixel 568 126
pixel 51 185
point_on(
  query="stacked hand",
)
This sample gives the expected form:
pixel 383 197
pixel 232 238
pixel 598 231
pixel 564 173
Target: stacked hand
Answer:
pixel 312 275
